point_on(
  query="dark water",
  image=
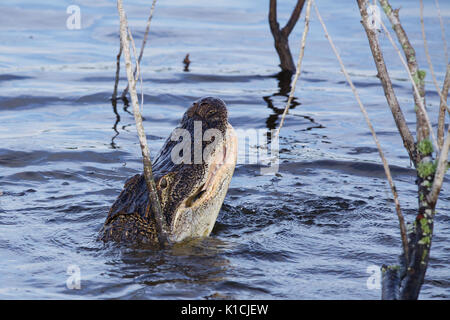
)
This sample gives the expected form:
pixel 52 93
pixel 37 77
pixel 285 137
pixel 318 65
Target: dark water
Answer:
pixel 309 232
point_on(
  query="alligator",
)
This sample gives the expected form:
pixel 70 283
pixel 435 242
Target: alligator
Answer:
pixel 192 175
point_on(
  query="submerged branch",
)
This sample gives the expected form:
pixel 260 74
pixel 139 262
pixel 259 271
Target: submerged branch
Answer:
pixel 280 37
pixel 299 67
pixel 390 282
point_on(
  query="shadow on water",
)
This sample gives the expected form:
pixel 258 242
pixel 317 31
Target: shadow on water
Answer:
pixel 193 269
pixel 284 79
pixel 114 105
pixel 284 85
pixel 126 105
pixel 273 101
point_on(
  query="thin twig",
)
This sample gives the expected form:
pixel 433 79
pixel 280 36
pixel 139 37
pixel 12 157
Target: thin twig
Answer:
pixel 440 171
pixel 425 45
pixel 443 99
pixel 299 66
pixel 441 118
pixel 383 75
pixel 161 224
pixel 442 30
pixel 138 68
pixel 375 138
pixel 144 41
pixel 422 128
pixel 416 90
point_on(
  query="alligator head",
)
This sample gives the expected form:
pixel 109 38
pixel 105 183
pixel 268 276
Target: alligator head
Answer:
pixel 192 173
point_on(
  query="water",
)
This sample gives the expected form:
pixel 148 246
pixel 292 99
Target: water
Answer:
pixel 310 232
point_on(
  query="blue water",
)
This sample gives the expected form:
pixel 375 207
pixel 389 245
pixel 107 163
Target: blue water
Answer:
pixel 309 232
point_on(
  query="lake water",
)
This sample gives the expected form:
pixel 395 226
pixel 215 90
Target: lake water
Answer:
pixel 310 232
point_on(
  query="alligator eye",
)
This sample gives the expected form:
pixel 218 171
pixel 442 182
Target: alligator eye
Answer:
pixel 211 113
pixel 163 183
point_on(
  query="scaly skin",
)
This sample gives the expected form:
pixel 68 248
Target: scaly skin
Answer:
pixel 191 194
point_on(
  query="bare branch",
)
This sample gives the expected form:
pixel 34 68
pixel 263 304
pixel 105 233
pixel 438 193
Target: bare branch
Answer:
pixel 281 36
pixel 425 45
pixel 273 23
pixel 410 54
pixel 422 115
pixel 148 173
pixel 420 235
pixel 440 171
pixel 138 67
pixel 442 30
pixel 375 138
pixel 443 99
pixel 299 66
pixel 294 18
pixel 383 75
pixel 144 41
pixel 443 107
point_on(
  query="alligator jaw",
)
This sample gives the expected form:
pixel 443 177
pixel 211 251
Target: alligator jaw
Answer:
pixel 196 217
